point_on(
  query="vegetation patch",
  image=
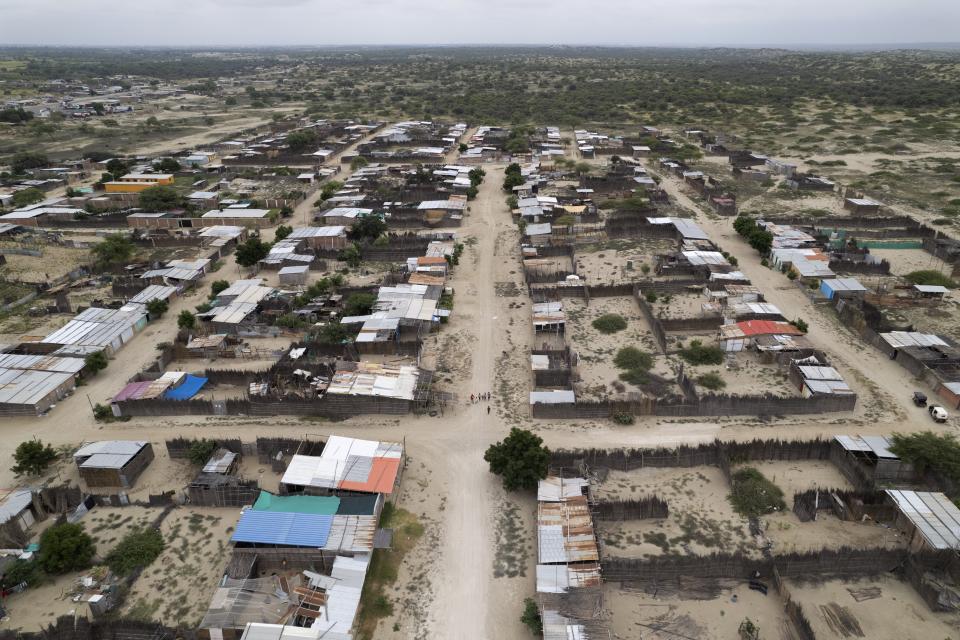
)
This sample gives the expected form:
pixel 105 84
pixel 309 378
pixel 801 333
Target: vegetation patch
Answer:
pixel 698 353
pixel 385 567
pixel 753 495
pixel 931 277
pixel 610 323
pixel 929 451
pixel 136 550
pixel 712 381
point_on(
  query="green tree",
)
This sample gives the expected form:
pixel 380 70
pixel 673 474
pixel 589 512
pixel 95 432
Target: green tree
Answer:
pixel 217 286
pixel 282 232
pixel 200 451
pixel 117 168
pixel 64 548
pixel 251 252
pixel 116 249
pixel 157 307
pixel 152 122
pixel 26 197
pixel 351 255
pixel 186 320
pixel 160 198
pixel 95 362
pixel 167 165
pixel 332 333
pixel 520 459
pixel 371 227
pixel 531 617
pixel 23 161
pixel 230 101
pixel 359 304
pixel 358 163
pixel 300 141
pixel 32 457
pixel 135 550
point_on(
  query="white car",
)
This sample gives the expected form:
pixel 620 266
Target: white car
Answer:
pixel 938 413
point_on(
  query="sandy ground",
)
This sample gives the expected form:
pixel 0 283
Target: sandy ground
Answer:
pixel 796 476
pixel 898 612
pixel 55 262
pixel 744 374
pixel 903 261
pixel 607 262
pixel 636 614
pixel 701 519
pixel 176 587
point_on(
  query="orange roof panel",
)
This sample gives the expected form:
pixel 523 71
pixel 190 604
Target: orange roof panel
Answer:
pixel 383 475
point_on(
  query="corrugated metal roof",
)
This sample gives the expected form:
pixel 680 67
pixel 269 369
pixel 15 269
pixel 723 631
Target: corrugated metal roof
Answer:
pixel 559 578
pixel 898 339
pixel 284 529
pixel 14 503
pixel 565 532
pixel 555 489
pixel 933 514
pixel 30 387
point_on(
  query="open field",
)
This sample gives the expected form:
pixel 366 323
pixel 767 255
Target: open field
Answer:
pixel 879 608
pixel 701 520
pixel 635 614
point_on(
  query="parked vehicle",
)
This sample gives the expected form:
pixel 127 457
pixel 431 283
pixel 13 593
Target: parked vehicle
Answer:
pixel 938 413
pixel 919 398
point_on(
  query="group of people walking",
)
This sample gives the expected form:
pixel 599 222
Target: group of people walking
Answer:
pixel 480 397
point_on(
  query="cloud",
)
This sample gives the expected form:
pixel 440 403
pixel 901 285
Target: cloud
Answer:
pixel 324 22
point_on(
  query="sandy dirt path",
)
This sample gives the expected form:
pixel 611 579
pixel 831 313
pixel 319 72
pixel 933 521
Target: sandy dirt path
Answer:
pixel 877 378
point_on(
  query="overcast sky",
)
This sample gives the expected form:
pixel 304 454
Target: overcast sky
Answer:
pixel 613 22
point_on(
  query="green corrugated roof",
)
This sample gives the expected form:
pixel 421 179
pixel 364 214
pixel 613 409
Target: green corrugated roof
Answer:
pixel 318 505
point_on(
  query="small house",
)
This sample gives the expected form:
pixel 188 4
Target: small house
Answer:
pixel 17 515
pixel 840 288
pixel 293 275
pixel 861 206
pixel 929 291
pixel 930 520
pixel 113 463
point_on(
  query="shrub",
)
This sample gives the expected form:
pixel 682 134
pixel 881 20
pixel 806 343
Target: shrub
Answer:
pixel 633 358
pixel 200 451
pixel 698 353
pixel 157 307
pixel 520 459
pixel 137 549
pixel 800 323
pixel 531 617
pixel 929 451
pixel 217 286
pixel 22 571
pixel 32 457
pixel 712 381
pixel 65 547
pixel 932 277
pixel 610 323
pixel 102 412
pixel 651 297
pixel 186 320
pixel 621 417
pixel 95 362
pixel 358 304
pixel 753 495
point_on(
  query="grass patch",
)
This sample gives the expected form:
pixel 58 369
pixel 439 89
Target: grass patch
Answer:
pixel 636 364
pixel 753 495
pixel 698 353
pixel 385 567
pixel 610 323
pixel 137 549
pixel 712 381
pixel 930 276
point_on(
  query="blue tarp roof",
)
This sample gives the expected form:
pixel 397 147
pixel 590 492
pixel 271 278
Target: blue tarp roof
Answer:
pixel 287 529
pixel 190 387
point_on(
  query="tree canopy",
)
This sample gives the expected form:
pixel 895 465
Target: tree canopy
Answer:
pixel 64 548
pixel 520 459
pixel 251 252
pixel 160 198
pixel 371 227
pixel 26 197
pixel 116 249
pixel 32 457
